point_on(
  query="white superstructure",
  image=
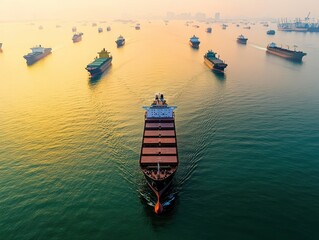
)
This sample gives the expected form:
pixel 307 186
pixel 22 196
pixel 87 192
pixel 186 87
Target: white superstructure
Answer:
pixel 159 108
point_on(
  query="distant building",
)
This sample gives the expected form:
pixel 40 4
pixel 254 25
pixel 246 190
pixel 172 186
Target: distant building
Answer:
pixel 217 16
pixel 200 16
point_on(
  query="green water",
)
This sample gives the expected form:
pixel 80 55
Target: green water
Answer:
pixel 69 147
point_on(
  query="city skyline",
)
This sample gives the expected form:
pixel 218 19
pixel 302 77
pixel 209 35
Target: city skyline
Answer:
pixel 99 9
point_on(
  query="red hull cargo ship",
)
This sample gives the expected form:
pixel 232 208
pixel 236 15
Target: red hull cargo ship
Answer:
pixel 159 156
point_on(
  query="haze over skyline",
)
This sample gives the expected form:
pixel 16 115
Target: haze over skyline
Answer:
pixel 12 10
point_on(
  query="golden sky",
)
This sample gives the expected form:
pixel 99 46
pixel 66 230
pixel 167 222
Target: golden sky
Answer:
pixel 106 9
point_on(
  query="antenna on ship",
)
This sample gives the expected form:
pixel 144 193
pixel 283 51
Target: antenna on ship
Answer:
pixel 295 46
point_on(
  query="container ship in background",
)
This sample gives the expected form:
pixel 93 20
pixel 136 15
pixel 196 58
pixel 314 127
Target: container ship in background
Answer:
pixel 159 156
pixel 194 42
pixel 77 37
pixel 285 53
pixel 209 30
pixel 120 41
pixel 242 39
pixel 100 64
pixel 213 62
pixel 38 52
pixel 298 25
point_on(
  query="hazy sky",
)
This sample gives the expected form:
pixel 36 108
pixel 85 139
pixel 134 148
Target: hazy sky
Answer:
pixel 106 9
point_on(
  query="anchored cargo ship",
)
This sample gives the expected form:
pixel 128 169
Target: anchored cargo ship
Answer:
pixel 120 41
pixel 194 42
pixel 285 53
pixel 209 30
pixel 213 62
pixel 242 39
pixel 77 37
pixel 37 53
pixel 108 28
pixel 159 156
pixel 271 32
pixel 100 29
pixel 100 64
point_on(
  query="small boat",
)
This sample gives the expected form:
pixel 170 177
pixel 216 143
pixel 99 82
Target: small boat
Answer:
pixel 108 28
pixel 247 27
pixel 74 29
pixel 285 52
pixel 0 46
pixel 120 41
pixel 224 26
pixel 194 42
pixel 209 30
pixel 159 156
pixel 242 39
pixel 213 62
pixel 271 32
pixel 100 29
pixel 138 27
pixel 94 25
pixel 100 64
pixel 38 52
pixel 77 37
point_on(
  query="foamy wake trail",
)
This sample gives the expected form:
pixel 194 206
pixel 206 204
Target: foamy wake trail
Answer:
pixel 258 47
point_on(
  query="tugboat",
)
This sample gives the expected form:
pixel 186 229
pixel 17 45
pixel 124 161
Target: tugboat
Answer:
pixel 271 32
pixel 100 64
pixel 213 62
pixel 242 39
pixel 159 156
pixel 120 41
pixel 209 30
pixel 194 42
pixel 77 37
pixel 285 53
pixel 37 53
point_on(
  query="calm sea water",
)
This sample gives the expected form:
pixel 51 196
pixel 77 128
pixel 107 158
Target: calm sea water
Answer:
pixel 69 146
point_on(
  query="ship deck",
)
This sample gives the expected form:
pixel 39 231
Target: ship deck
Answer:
pixel 159 147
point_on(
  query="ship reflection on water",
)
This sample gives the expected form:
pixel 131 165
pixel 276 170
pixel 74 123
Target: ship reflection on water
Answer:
pixel 94 80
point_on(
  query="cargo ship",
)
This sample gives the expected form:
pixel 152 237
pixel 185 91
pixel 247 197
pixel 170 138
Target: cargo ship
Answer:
pixel 213 62
pixel 159 156
pixel 77 37
pixel 37 53
pixel 120 41
pixel 108 28
pixel 271 32
pixel 100 64
pixel 209 30
pixel 299 25
pixel 138 26
pixel 100 29
pixel 242 39
pixel 285 53
pixel 194 42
